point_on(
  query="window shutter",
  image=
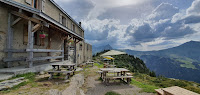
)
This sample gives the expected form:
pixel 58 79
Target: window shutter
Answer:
pixel 60 18
pixel 67 23
pixel 43 6
pixel 72 27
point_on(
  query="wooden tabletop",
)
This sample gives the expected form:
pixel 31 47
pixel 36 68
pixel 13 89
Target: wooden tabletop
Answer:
pixel 114 69
pixel 90 62
pixel 175 90
pixel 60 64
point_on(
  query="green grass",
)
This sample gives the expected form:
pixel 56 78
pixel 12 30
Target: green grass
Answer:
pixel 112 93
pixel 141 80
pixel 145 87
pixel 188 63
pixel 98 65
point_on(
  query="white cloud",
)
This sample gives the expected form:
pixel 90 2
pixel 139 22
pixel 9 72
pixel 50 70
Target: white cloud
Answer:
pixel 153 27
pixel 195 8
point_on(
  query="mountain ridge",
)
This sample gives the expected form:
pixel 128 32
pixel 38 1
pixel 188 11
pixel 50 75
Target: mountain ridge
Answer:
pixel 101 48
pixel 181 62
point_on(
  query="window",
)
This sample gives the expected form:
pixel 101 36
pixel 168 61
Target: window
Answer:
pixel 80 46
pixel 35 38
pixel 87 47
pixel 73 27
pixel 35 4
pixel 63 21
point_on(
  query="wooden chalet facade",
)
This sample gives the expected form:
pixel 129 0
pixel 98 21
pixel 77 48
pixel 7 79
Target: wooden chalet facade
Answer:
pixel 37 31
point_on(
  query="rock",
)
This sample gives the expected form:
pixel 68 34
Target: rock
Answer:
pixel 66 81
pixel 42 73
pixel 74 89
pixel 54 92
pixel 79 69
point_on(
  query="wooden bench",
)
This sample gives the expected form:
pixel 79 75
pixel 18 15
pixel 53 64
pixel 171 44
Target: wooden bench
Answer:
pixel 129 74
pixel 101 73
pixel 68 73
pixel 107 78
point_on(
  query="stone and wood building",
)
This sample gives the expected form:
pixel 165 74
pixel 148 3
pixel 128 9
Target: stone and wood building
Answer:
pixel 39 31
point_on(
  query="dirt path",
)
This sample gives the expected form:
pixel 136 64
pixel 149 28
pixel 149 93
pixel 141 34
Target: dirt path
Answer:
pixel 96 87
pixel 76 83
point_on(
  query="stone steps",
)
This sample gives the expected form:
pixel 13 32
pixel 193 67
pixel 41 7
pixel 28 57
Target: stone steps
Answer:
pixel 6 76
pixel 10 83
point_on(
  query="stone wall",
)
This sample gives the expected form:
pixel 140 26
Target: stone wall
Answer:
pixel 3 31
pixel 18 39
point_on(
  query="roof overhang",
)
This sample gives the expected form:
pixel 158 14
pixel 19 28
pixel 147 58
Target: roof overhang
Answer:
pixel 39 13
pixel 53 2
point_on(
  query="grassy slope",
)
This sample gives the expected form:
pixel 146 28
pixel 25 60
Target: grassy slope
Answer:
pixel 148 84
pixel 162 82
pixel 35 85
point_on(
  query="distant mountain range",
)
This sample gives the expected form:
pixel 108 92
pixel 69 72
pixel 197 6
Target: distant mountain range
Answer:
pixel 101 48
pixel 181 62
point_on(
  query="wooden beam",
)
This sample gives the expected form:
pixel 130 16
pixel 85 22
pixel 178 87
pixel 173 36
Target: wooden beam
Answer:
pixel 9 38
pixel 62 48
pixel 65 49
pixel 75 52
pixel 49 42
pixel 45 58
pixel 25 17
pixel 78 41
pixel 69 39
pixel 15 50
pixel 65 38
pixel 14 59
pixel 36 27
pixel 30 43
pixel 16 21
pixel 43 50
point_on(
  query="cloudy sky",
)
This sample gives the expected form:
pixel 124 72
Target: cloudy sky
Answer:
pixel 142 25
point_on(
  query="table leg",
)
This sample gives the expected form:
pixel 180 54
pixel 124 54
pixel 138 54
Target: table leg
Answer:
pixel 67 76
pixel 123 75
pixel 58 68
pixel 51 76
pixel 54 68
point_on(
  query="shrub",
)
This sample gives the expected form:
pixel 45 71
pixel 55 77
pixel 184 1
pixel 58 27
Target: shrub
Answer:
pixel 112 93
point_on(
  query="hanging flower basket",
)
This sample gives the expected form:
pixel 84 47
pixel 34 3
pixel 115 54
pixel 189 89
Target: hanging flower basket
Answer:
pixel 70 42
pixel 43 35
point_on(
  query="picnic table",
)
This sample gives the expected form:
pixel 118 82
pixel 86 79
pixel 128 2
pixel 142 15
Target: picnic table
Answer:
pixel 56 69
pixel 121 74
pixel 71 66
pixel 90 63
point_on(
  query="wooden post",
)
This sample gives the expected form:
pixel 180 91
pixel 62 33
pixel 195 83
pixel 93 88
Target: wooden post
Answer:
pixel 49 43
pixel 9 38
pixel 63 47
pixel 66 48
pixel 75 52
pixel 30 44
